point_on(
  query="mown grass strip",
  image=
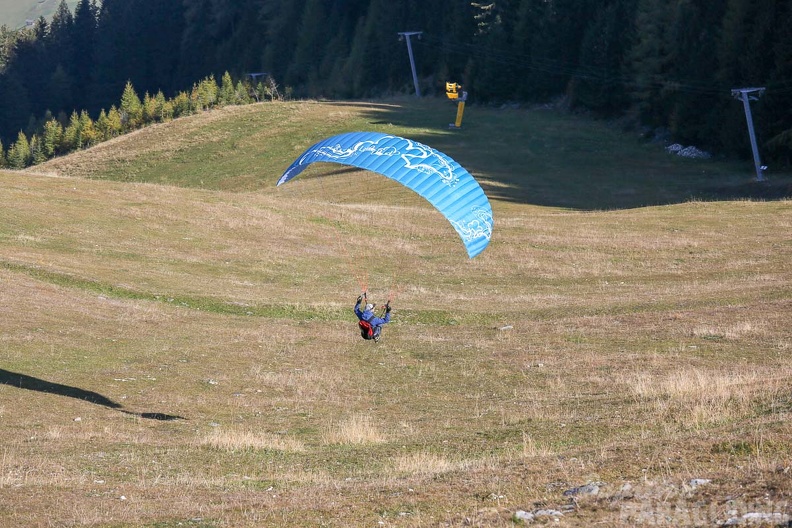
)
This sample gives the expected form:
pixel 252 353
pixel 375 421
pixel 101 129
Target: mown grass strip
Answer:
pixel 296 312
pixel 206 304
pixel 302 312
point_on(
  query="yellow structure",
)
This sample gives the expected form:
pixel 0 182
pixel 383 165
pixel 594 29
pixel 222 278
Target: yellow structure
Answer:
pixel 454 93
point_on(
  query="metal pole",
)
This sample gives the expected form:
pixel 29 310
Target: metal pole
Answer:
pixel 743 95
pixel 407 35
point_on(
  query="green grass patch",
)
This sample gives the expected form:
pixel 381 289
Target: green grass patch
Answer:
pixel 541 157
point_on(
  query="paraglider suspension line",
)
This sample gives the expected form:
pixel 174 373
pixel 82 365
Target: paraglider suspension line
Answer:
pixel 360 275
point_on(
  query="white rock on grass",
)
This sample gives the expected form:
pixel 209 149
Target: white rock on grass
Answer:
pixel 696 482
pixel 529 517
pixel 592 488
pixel 687 152
pixel 758 519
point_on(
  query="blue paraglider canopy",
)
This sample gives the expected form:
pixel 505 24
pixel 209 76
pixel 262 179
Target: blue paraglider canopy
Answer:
pixel 436 177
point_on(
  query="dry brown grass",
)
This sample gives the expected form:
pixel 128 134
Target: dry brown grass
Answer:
pixel 428 465
pixel 357 429
pixel 635 346
pixel 235 439
pixel 697 398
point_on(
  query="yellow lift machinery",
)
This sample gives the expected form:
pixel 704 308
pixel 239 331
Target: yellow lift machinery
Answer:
pixel 454 93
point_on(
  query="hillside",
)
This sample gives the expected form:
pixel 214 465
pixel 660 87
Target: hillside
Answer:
pixel 179 347
pixel 536 157
pixel 14 13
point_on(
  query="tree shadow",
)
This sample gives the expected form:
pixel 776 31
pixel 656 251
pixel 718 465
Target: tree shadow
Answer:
pixel 23 381
pixel 554 158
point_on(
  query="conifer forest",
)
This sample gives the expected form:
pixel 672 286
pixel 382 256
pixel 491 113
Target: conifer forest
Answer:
pixel 657 66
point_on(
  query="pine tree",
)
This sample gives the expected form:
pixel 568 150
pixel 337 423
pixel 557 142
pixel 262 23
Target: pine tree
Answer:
pixel 72 138
pixel 19 152
pixel 280 18
pixel 204 94
pixel 61 36
pixel 149 109
pixel 196 56
pixel 103 126
pixel 89 135
pixel 692 114
pixel 15 105
pixel 136 42
pixel 51 140
pixel 776 106
pixel 37 155
pixel 226 95
pixel 529 67
pixel 495 34
pixel 84 40
pixel 236 36
pixel 376 37
pixel 161 27
pixel 115 124
pixel 3 160
pixel 649 59
pixel 339 27
pixel 131 108
pixel 182 105
pixel 598 82
pixel 242 93
pixel 60 53
pixel 164 107
pixel 30 66
pixel 303 69
pixel 60 90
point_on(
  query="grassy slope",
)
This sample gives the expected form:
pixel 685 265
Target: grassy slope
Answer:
pixel 612 343
pixel 14 13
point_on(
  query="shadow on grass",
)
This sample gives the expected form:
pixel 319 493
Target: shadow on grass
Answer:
pixel 23 381
pixel 559 159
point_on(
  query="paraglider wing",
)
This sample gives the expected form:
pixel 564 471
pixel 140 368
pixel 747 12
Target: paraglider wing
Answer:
pixel 430 173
